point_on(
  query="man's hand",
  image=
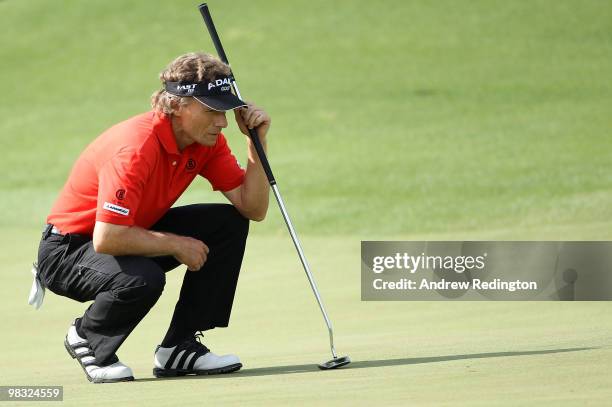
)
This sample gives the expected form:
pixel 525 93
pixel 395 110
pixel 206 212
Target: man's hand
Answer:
pixel 191 252
pixel 253 117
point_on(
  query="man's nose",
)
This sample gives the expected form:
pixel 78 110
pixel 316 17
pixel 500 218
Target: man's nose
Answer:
pixel 221 120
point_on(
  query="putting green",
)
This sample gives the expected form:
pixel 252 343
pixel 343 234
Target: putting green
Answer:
pixel 425 353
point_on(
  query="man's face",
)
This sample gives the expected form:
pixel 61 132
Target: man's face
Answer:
pixel 199 123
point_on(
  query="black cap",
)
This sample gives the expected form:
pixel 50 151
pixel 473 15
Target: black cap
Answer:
pixel 216 94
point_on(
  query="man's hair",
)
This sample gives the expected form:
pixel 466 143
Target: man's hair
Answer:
pixel 191 67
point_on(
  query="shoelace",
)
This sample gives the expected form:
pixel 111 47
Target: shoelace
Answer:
pixel 196 343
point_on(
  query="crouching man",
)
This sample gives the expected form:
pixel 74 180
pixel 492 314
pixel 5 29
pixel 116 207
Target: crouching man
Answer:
pixel 112 235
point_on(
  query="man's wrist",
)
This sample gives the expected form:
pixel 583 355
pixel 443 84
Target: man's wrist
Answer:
pixel 170 242
pixel 174 243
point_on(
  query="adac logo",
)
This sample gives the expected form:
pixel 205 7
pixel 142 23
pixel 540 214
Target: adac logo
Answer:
pixel 191 164
pixel 220 82
pixel 120 194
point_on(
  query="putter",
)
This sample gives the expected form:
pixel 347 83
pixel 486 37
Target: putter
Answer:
pixel 336 361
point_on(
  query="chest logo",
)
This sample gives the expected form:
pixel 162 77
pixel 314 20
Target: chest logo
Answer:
pixel 191 164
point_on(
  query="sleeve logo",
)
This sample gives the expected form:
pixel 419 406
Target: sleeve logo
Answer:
pixel 120 194
pixel 116 208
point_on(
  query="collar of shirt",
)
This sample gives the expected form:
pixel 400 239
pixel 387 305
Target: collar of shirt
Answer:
pixel 162 125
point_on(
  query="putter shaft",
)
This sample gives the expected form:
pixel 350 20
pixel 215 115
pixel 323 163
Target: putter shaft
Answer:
pixel 266 166
pixel 298 247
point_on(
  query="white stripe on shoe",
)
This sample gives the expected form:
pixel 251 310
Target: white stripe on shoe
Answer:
pixel 186 364
pixel 177 359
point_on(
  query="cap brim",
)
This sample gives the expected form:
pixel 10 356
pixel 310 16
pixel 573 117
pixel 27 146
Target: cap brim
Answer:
pixel 221 103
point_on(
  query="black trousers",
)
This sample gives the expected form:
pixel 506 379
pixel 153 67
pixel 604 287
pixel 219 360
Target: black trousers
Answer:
pixel 124 288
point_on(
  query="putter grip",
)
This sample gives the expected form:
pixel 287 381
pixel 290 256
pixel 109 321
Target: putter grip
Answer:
pixel 210 25
pixel 262 156
pixel 212 31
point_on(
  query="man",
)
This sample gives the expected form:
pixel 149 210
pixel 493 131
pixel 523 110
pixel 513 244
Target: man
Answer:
pixel 112 234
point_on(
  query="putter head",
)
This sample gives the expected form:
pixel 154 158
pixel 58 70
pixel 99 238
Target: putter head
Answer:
pixel 335 363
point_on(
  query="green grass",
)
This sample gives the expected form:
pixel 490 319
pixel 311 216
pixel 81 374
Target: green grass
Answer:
pixel 423 353
pixel 391 120
pixel 395 119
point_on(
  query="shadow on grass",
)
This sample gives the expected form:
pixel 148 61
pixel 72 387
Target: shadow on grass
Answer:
pixel 362 364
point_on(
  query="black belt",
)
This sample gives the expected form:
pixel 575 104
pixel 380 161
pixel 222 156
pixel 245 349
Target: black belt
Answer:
pixel 51 230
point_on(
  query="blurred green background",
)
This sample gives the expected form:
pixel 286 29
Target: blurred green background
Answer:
pixel 391 120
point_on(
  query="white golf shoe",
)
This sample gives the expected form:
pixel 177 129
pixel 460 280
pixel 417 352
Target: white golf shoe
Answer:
pixel 79 349
pixel 192 357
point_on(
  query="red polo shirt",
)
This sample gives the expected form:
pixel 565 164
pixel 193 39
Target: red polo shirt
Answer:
pixel 133 173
